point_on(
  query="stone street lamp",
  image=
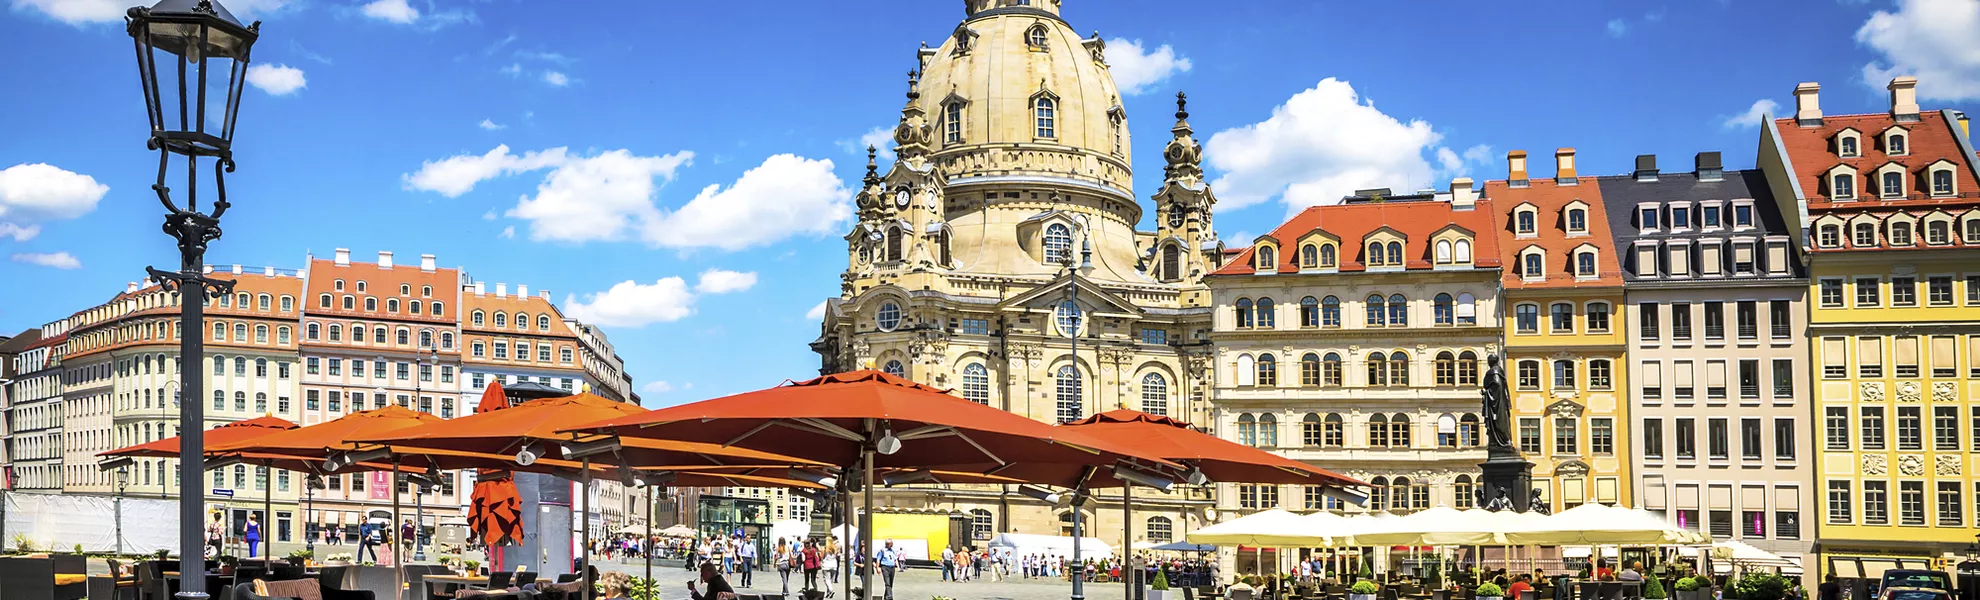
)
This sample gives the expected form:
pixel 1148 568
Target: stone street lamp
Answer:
pixel 192 58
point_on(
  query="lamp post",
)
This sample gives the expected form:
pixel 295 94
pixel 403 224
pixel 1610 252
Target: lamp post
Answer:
pixel 419 492
pixel 194 39
pixel 1072 312
pixel 310 482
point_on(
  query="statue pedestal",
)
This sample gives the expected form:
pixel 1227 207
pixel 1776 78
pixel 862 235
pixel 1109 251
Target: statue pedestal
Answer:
pixel 1508 476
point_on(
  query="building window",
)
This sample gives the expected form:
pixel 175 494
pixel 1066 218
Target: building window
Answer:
pixel 1783 378
pixel 1534 266
pixel 895 368
pixel 1267 314
pixel 1398 311
pixel 1942 182
pixel 1154 394
pixel 1268 370
pixel 952 123
pixel 1653 438
pixel 1330 369
pixel 1564 375
pixel 1526 318
pixel 1058 243
pixel 1561 317
pixel 1443 311
pixel 1067 385
pixel 1584 264
pixel 1717 437
pixel 1685 431
pixel 1529 375
pixel 1577 220
pixel 1832 293
pixel 1598 374
pixel 1567 440
pixel 1045 110
pixel 1867 295
pixel 1945 428
pixel 1844 185
pixel 1601 436
pixel 1893 184
pixel 1866 235
pixel 888 317
pixel 1839 502
pixel 1911 503
pixel 1598 317
pixel 1527 222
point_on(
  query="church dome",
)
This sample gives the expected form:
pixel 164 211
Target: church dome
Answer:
pixel 1014 95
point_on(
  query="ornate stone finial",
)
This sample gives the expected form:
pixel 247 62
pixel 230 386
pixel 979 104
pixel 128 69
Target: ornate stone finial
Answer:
pixel 1182 106
pixel 872 165
pixel 1183 154
pixel 914 85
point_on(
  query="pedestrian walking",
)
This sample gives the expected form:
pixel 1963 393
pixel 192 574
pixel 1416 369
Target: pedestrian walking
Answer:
pixel 812 562
pixel 829 562
pixel 253 535
pixel 887 560
pixel 746 559
pixel 782 557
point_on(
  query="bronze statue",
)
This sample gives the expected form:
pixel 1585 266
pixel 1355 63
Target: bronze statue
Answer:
pixel 1498 406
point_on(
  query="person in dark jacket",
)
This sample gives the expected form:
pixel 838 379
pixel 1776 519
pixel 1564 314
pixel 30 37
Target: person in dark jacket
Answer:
pixel 717 586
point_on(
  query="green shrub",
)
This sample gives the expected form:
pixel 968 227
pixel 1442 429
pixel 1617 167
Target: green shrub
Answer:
pixel 1490 590
pixel 78 549
pixel 1161 580
pixel 23 544
pixel 1653 589
pixel 1689 584
pixel 1364 588
pixel 1761 586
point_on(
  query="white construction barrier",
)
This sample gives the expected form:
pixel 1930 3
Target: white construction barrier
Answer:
pixel 61 521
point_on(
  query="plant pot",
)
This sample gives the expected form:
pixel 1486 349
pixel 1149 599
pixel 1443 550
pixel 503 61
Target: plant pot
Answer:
pixel 1691 595
pixel 1491 598
pixel 1162 595
pixel 1361 597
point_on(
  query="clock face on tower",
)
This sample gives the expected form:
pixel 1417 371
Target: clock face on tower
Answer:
pixel 1175 218
pixel 901 199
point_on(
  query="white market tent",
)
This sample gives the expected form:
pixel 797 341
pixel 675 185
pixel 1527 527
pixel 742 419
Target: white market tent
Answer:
pixel 1023 544
pixel 1267 529
pixel 1599 524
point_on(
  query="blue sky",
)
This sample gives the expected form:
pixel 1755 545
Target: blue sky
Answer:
pixel 680 172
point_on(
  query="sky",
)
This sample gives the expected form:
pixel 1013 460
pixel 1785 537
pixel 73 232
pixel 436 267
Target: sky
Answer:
pixel 681 173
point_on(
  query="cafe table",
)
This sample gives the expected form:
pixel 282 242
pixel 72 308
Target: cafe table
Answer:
pixel 476 583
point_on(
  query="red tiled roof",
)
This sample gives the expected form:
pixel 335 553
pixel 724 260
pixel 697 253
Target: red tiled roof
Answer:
pixel 1551 200
pixel 1812 152
pixel 1416 221
pixel 382 284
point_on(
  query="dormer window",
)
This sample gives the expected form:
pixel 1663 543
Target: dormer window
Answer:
pixel 1526 222
pixel 1058 243
pixel 1443 252
pixel 1309 256
pixel 1646 217
pixel 1034 37
pixel 1266 258
pixel 1395 254
pixel 1463 252
pixel 1375 254
pixel 1866 235
pixel 1938 232
pixel 1743 214
pixel 1326 255
pixel 1830 236
pixel 1533 265
pixel 1577 220
pixel 1709 215
pixel 1584 264
pixel 1846 144
pixel 1045 112
pixel 1842 186
pixel 1941 176
pixel 1680 217
pixel 952 123
pixel 1891 182
pixel 1900 233
pixel 1894 142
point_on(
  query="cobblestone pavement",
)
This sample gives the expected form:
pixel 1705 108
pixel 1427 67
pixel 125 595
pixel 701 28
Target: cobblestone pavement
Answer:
pixel 916 584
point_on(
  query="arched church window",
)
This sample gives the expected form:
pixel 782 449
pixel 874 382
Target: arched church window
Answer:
pixel 952 123
pixel 1035 37
pixel 1047 113
pixel 893 243
pixel 1067 387
pixel 1058 243
pixel 1171 262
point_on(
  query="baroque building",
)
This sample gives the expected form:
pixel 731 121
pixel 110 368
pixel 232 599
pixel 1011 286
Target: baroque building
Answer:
pixel 1564 345
pixel 1714 294
pixel 1004 236
pixel 1884 206
pixel 1354 336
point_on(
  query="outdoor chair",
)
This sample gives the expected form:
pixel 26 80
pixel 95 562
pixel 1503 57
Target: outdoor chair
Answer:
pixel 1611 590
pixel 499 579
pixel 1241 594
pixel 287 572
pixel 1529 594
pixel 44 578
pixel 151 581
pixel 119 581
pixel 334 577
pixel 525 578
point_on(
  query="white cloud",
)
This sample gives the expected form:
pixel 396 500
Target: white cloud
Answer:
pixel 1479 154
pixel 722 281
pixel 279 80
pixel 1135 69
pixel 1930 39
pixel 1751 118
pixel 598 198
pixel 396 11
pixel 492 125
pixel 77 12
pixel 555 78
pixel 457 175
pixel 1320 146
pixel 512 70
pixel 879 138
pixel 787 195
pixel 34 193
pixel 1617 27
pixel 18 232
pixel 509 233
pixel 633 304
pixel 816 312
pixel 57 260
pixel 657 387
pixel 488 216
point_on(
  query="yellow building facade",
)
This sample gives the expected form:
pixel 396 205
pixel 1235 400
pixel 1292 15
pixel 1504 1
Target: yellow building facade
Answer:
pixel 1564 336
pixel 1889 215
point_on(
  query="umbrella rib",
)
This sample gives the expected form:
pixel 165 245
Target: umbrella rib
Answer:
pixel 833 429
pixel 746 434
pixel 924 431
pixel 805 426
pixel 979 447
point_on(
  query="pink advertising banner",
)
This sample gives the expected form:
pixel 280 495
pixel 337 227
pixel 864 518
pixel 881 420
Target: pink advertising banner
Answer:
pixel 380 486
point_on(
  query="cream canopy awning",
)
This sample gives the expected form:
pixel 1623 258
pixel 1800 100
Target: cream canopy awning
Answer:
pixel 1601 524
pixel 1268 529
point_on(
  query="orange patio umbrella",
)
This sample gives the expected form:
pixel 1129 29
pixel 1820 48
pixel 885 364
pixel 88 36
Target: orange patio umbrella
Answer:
pixel 1209 457
pixel 221 434
pixel 873 420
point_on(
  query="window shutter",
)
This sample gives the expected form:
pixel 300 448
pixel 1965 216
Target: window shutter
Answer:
pixel 1708 259
pixel 1653 375
pixel 1777 258
pixel 1646 261
pixel 1715 373
pixel 1573 490
pixel 1742 253
pixel 1906 348
pixel 1787 499
pixel 1683 374
pixel 1945 354
pixel 1870 351
pixel 1605 490
pixel 1835 352
pixel 1680 260
pixel 1973 353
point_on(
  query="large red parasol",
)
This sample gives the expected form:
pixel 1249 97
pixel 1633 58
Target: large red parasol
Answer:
pixel 1216 458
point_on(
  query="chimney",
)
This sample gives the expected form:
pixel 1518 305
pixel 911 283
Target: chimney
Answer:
pixel 1646 168
pixel 130 287
pixel 545 294
pixel 1564 167
pixel 1904 99
pixel 522 291
pixel 427 263
pixel 501 289
pixel 384 259
pixel 1961 115
pixel 208 269
pixel 1463 197
pixel 343 257
pixel 1709 168
pixel 237 269
pixel 478 290
pixel 1807 104
pixel 268 271
pixel 1516 168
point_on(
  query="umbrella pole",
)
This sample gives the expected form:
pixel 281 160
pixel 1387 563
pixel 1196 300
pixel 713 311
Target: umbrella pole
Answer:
pixel 866 526
pixel 1127 540
pixel 267 509
pixel 845 545
pixel 398 564
pixel 646 543
pixel 584 527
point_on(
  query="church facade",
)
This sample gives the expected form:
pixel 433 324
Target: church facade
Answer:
pixel 998 257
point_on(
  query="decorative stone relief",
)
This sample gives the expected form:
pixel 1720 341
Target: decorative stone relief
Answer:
pixel 1948 465
pixel 1565 408
pixel 1942 391
pixel 1873 391
pixel 1907 391
pixel 1873 464
pixel 1911 465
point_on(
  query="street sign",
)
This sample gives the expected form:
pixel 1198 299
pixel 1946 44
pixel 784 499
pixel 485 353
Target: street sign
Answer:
pixel 223 493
